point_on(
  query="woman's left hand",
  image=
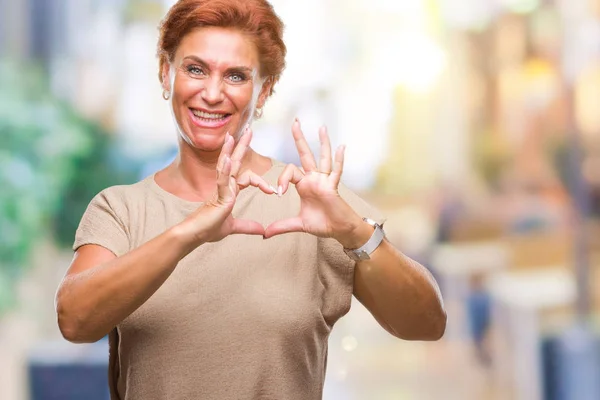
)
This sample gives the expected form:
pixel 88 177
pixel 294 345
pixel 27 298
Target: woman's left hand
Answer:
pixel 323 212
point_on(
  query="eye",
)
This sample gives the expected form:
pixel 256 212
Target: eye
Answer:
pixel 195 70
pixel 237 77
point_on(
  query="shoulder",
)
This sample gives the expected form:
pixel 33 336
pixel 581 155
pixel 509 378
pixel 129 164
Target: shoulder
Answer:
pixel 120 200
pixel 109 216
pixel 122 194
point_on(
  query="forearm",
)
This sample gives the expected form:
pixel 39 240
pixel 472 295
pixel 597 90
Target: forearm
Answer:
pixel 401 294
pixel 92 302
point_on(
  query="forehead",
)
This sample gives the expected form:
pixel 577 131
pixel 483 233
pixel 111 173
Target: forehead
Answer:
pixel 219 48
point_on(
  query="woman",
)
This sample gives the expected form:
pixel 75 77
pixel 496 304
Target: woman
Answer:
pixel 221 276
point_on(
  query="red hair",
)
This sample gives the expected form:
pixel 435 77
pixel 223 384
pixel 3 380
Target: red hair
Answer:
pixel 255 18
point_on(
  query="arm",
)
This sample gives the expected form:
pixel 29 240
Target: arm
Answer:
pixel 101 289
pixel 400 293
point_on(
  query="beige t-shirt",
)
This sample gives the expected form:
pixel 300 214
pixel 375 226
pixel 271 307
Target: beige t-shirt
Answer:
pixel 244 318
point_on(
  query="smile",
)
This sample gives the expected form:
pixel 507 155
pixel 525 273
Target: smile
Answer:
pixel 205 119
pixel 205 115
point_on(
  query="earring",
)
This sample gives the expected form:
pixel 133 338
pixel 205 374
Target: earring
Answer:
pixel 166 94
pixel 258 113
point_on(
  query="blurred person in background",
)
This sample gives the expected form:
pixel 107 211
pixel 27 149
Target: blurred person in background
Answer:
pixel 197 297
pixel 479 309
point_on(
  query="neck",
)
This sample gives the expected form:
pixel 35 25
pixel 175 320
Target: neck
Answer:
pixel 192 175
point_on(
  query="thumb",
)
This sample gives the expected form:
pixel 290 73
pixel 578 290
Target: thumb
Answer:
pixel 225 194
pixel 284 226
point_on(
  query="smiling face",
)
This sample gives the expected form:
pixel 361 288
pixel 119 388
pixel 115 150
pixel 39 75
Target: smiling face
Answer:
pixel 215 86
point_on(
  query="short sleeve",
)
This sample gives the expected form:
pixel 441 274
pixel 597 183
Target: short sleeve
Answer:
pixel 337 269
pixel 101 225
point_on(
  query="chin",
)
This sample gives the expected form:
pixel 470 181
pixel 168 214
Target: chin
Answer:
pixel 204 142
pixel 209 140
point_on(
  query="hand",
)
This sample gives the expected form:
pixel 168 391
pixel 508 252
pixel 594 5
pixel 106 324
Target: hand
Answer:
pixel 213 220
pixel 322 211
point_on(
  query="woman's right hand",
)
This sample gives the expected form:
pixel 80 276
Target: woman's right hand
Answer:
pixel 213 220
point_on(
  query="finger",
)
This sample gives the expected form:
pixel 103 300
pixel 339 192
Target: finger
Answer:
pixel 325 160
pixel 240 151
pixel 284 226
pixel 338 165
pixel 224 192
pixel 291 173
pixel 225 151
pixel 250 178
pixel 247 227
pixel 306 157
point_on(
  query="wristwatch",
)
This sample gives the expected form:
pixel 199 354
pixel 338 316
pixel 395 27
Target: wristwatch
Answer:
pixel 364 251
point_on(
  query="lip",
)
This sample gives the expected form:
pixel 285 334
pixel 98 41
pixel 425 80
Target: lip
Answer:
pixel 209 111
pixel 205 123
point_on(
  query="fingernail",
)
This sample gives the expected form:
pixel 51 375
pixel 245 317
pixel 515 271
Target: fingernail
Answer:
pixel 279 191
pixel 273 189
pixel 296 120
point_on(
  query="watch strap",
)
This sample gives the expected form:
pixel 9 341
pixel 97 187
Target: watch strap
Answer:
pixel 364 251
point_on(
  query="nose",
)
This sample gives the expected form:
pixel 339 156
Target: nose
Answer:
pixel 212 91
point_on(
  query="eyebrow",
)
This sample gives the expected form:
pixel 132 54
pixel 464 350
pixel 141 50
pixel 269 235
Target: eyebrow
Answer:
pixel 205 64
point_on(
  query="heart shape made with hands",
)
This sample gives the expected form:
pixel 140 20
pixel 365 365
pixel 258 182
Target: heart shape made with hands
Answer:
pixel 322 212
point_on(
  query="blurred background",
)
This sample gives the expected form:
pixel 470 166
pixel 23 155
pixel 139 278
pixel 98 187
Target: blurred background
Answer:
pixel 474 125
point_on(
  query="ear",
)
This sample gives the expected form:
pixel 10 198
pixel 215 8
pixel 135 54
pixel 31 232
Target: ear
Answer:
pixel 265 92
pixel 166 76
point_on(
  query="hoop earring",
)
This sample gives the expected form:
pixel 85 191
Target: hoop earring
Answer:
pixel 258 113
pixel 166 94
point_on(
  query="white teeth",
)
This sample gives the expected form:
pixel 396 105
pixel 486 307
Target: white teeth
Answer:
pixel 206 115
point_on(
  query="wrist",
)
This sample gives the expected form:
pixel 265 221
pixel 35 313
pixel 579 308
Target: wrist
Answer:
pixel 185 238
pixel 359 233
